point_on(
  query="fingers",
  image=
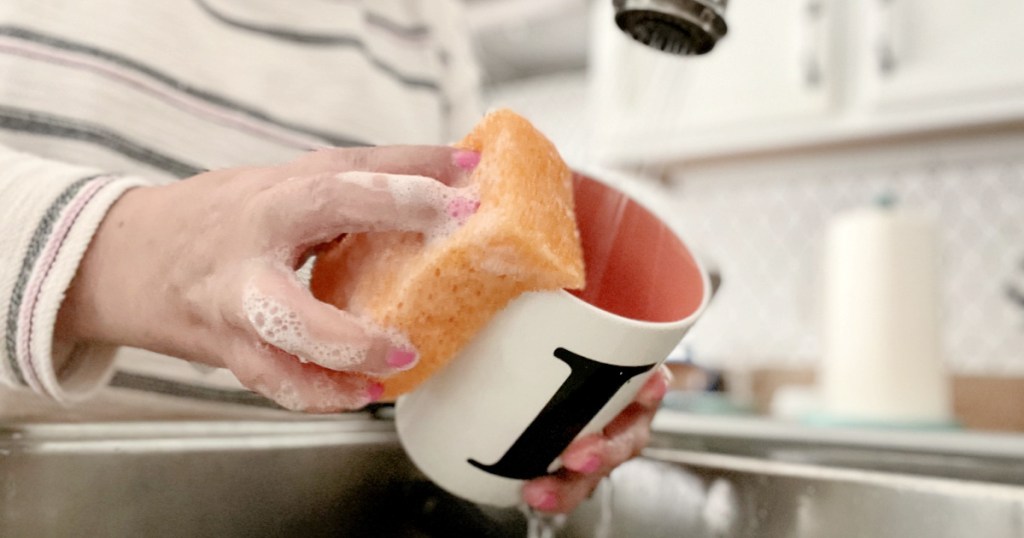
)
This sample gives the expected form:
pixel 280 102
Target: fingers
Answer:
pixel 284 314
pixel 589 459
pixel 314 209
pixel 445 164
pixel 561 492
pixel 299 386
pixel 625 436
pixel 654 388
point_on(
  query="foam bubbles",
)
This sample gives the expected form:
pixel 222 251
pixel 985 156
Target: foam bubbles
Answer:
pixel 501 260
pixel 393 336
pixel 281 327
pixel 323 395
pixel 411 194
pixel 330 397
pixel 287 395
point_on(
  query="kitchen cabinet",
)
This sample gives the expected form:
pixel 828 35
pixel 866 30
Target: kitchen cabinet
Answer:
pixel 769 67
pixel 799 73
pixel 944 55
pixel 776 64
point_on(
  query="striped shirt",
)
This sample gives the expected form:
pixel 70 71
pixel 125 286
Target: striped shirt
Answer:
pixel 98 96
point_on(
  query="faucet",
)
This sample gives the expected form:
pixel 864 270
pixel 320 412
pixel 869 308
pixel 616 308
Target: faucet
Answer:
pixel 683 27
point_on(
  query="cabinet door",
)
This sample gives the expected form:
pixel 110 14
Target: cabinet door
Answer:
pixel 945 54
pixel 776 62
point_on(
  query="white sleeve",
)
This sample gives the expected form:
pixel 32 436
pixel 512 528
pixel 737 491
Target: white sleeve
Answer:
pixel 462 77
pixel 49 212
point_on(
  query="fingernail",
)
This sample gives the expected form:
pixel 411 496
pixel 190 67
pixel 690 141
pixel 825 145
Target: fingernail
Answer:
pixel 659 390
pixel 653 393
pixel 462 208
pixel 465 159
pixel 592 464
pixel 542 500
pixel 400 358
pixel 375 390
pixel 669 376
pixel 583 464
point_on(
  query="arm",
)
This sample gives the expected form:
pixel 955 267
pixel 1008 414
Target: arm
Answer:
pixel 50 211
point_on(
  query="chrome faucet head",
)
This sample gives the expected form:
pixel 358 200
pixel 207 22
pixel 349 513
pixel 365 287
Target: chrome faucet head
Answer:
pixel 684 27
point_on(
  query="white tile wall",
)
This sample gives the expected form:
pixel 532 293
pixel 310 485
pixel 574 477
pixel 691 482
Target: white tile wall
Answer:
pixel 765 234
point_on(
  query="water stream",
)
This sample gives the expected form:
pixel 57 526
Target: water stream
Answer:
pixel 542 525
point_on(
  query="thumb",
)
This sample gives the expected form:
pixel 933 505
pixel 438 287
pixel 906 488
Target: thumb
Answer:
pixel 285 315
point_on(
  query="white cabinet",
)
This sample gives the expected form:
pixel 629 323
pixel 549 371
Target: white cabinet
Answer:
pixel 944 55
pixel 796 73
pixel 776 63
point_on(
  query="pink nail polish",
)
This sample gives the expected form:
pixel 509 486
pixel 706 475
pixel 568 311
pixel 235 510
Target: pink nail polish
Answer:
pixel 375 391
pixel 545 501
pixel 592 464
pixel 400 358
pixel 461 209
pixel 466 160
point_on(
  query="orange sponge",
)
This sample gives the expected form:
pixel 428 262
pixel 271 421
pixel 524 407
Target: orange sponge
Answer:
pixel 440 294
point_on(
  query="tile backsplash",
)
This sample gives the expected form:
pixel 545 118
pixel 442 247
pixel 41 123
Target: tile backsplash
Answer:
pixel 765 233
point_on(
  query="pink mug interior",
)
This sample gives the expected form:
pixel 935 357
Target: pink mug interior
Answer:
pixel 637 268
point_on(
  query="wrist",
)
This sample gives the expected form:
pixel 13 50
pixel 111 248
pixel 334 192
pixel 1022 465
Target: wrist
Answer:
pixel 102 303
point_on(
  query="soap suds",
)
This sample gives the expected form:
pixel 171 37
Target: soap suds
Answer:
pixel 281 327
pixel 453 206
pixel 288 396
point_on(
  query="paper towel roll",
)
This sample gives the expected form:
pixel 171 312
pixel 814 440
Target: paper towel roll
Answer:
pixel 882 359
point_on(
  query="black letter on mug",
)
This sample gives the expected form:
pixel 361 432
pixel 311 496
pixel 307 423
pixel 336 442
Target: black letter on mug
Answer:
pixel 589 386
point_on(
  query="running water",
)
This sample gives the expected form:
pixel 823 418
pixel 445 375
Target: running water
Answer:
pixel 606 497
pixel 541 525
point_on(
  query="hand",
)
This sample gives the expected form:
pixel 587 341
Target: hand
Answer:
pixel 589 459
pixel 204 269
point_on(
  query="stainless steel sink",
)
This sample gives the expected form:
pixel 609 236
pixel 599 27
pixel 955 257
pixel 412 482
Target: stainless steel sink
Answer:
pixel 673 493
pixel 349 477
pixel 345 477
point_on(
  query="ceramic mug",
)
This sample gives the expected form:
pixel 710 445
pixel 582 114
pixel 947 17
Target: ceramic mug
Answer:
pixel 553 366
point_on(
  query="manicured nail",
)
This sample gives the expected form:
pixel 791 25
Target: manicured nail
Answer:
pixel 585 464
pixel 461 208
pixel 375 391
pixel 466 160
pixel 545 501
pixel 654 392
pixel 669 376
pixel 660 388
pixel 400 358
pixel 592 464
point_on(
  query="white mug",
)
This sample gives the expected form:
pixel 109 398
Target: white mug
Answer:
pixel 553 366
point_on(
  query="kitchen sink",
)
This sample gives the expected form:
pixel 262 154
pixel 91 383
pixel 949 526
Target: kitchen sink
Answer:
pixel 345 477
pixel 348 476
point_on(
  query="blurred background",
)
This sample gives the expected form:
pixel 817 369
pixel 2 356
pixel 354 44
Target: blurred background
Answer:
pixel 805 110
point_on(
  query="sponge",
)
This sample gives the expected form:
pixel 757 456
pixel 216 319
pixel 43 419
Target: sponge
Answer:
pixel 440 293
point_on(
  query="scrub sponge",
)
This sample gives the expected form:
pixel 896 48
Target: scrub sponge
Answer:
pixel 441 292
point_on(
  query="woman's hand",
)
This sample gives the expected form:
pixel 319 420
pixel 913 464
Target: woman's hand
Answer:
pixel 589 459
pixel 204 269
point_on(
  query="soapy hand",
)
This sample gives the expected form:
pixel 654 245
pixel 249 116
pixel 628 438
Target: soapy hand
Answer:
pixel 589 459
pixel 204 269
